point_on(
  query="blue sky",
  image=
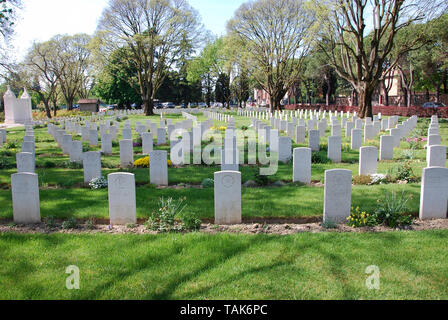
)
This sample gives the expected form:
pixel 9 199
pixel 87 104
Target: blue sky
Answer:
pixel 42 19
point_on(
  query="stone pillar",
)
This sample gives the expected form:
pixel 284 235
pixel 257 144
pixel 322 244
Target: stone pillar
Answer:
pixel 122 201
pixel 434 193
pixel 302 165
pixel 436 156
pixel 386 148
pixel 92 165
pixel 25 198
pixel 227 197
pixel 158 167
pixel 334 148
pixel 368 161
pixel 29 147
pixel 25 162
pixel 337 195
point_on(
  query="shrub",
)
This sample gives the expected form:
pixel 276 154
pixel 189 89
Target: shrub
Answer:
pixel 261 180
pixel 244 128
pixel 208 183
pixel 329 224
pixel 91 223
pixel 98 183
pixel 70 224
pixel 379 179
pixel 142 162
pixel 362 180
pixel 320 157
pixel 404 172
pixel 12 144
pixel 190 221
pixel 4 163
pixel 359 219
pixel 163 220
pixel 408 154
pixel 50 221
pixel 391 210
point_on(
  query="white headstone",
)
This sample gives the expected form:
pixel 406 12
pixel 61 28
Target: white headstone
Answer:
pixel 334 148
pixel 436 156
pixel 126 154
pixel 122 201
pixel 368 161
pixel 25 198
pixel 25 162
pixel 227 197
pixel 302 165
pixel 158 167
pixel 92 165
pixel 434 193
pixel 386 148
pixel 337 195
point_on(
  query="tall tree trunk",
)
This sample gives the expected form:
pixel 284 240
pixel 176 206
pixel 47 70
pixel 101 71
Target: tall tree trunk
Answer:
pixel 438 93
pixel 47 109
pixel 149 107
pixel 365 101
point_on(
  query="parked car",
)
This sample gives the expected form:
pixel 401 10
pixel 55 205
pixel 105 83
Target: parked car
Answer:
pixel 169 105
pixel 433 105
pixel 202 105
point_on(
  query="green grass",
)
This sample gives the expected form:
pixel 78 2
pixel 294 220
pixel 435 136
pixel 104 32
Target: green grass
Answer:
pixel 225 266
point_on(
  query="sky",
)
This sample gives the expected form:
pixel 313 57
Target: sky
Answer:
pixel 42 19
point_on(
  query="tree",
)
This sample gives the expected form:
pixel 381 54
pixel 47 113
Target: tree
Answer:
pixel 431 60
pixel 276 32
pixel 154 31
pixel 117 83
pixel 358 49
pixel 41 63
pixel 73 58
pixel 222 89
pixel 8 17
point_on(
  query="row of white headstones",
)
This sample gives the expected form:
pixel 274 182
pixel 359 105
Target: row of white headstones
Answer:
pixel 337 198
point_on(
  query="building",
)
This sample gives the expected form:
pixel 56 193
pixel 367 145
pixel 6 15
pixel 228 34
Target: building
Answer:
pixel 90 105
pixel 17 110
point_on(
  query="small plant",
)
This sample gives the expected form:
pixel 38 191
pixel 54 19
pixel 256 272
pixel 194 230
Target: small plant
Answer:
pixel 320 157
pixel 70 224
pixel 359 219
pixel 408 154
pixel 163 220
pixel 379 179
pixel 261 180
pixel 404 172
pixel 91 223
pixel 142 162
pixel 391 210
pixel 12 144
pixel 73 165
pixel 4 163
pixel 49 164
pixel 50 222
pixel 244 128
pixel 362 180
pixel 208 183
pixel 12 225
pixel 190 221
pixel 130 226
pixel 98 183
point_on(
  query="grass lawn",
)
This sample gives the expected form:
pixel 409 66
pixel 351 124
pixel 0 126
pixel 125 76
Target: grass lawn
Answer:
pixel 413 265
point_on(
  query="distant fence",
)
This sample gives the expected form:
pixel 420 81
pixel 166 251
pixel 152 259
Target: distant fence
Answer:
pixel 384 110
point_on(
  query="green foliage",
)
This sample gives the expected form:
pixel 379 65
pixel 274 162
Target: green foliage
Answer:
pixel 190 221
pixel 359 219
pixel 163 220
pixel 208 183
pixel 98 183
pixel 50 222
pixel 391 210
pixel 91 223
pixel 404 172
pixel 320 157
pixel 329 224
pixel 362 180
pixel 70 224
